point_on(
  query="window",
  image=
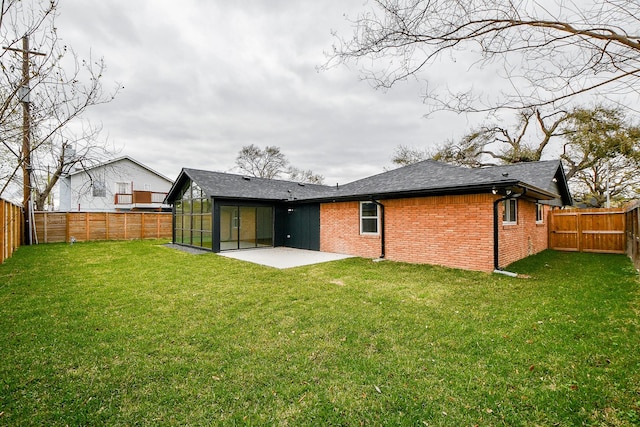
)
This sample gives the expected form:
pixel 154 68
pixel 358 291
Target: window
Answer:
pixel 539 213
pixel 245 227
pixel 122 188
pixel 510 215
pixel 99 189
pixel 369 218
pixel 193 217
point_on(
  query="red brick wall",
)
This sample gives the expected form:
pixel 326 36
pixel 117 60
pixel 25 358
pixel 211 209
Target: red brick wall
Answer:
pixel 453 231
pixel 524 239
pixel 340 231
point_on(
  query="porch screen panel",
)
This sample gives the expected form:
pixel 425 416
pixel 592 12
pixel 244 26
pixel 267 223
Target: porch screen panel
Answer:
pixel 193 216
pixel 264 226
pixel 247 227
pixel 243 227
pixel 228 227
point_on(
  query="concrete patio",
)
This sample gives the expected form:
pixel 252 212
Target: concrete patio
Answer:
pixel 282 257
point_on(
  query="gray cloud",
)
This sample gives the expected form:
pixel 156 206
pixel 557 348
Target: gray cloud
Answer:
pixel 202 79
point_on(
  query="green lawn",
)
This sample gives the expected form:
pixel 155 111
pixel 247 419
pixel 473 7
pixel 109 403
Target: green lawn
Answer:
pixel 135 333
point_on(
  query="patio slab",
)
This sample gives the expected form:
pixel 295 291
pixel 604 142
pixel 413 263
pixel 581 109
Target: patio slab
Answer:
pixel 282 257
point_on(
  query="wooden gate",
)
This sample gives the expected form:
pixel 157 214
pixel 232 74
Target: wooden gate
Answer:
pixel 588 230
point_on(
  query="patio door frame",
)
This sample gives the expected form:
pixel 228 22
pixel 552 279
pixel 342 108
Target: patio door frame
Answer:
pixel 238 224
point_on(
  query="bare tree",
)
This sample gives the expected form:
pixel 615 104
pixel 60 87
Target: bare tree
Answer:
pixel 269 163
pixel 494 143
pixel 549 51
pixel 404 155
pixel 304 176
pixel 599 146
pixel 54 86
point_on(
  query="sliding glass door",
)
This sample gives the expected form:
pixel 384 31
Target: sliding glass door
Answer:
pixel 243 227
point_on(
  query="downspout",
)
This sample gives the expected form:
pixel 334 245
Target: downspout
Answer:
pixel 382 254
pixel 496 248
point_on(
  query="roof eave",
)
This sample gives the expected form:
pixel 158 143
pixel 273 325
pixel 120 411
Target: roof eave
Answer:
pixel 441 191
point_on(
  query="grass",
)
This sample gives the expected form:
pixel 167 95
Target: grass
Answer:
pixel 134 333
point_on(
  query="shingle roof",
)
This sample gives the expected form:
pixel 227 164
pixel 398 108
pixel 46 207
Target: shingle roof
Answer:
pixel 219 184
pixel 425 175
pixel 543 180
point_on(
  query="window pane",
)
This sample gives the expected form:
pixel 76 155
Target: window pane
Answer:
pixel 206 222
pixel 196 193
pixel 369 225
pixel 510 213
pixel 186 193
pixel 99 189
pixel 197 222
pixel 369 209
pixel 206 240
pixel 122 188
pixel 228 227
pixel 196 206
pixel 247 227
pixel 206 206
pixel 264 226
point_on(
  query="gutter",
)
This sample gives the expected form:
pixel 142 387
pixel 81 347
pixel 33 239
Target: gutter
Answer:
pixel 496 246
pixel 382 227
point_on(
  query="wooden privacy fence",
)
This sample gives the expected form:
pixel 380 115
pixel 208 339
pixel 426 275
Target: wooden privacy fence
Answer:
pixel 11 221
pixel 588 230
pixel 52 227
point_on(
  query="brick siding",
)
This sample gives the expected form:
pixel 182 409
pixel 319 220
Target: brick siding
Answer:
pixel 453 231
pixel 524 239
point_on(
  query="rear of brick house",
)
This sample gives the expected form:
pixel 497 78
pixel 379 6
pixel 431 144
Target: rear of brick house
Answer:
pixel 453 231
pixel 429 212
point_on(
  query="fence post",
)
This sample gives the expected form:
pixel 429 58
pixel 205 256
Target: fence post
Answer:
pixel 45 234
pixel 579 235
pixel 66 226
pixel 142 225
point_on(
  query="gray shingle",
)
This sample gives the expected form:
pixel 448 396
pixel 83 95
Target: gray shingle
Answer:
pixel 427 177
pixel 219 184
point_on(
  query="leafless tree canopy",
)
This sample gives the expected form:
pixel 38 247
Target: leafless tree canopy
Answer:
pixel 599 146
pixel 550 51
pixel 306 176
pixel 271 163
pixel 61 87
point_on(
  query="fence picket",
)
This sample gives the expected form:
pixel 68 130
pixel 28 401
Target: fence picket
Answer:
pixel 60 226
pixel 11 220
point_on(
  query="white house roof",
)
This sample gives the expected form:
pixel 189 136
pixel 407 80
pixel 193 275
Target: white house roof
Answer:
pixel 120 159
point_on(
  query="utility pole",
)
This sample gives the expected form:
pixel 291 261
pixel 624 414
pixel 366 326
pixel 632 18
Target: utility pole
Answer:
pixel 23 94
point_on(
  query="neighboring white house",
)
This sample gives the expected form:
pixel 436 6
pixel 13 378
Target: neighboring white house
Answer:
pixel 117 185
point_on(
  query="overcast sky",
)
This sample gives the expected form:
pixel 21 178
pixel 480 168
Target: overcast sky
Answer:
pixel 203 78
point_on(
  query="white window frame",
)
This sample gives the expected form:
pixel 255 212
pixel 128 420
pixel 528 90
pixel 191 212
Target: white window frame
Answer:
pixel 539 213
pixel 508 217
pixel 120 186
pixel 377 218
